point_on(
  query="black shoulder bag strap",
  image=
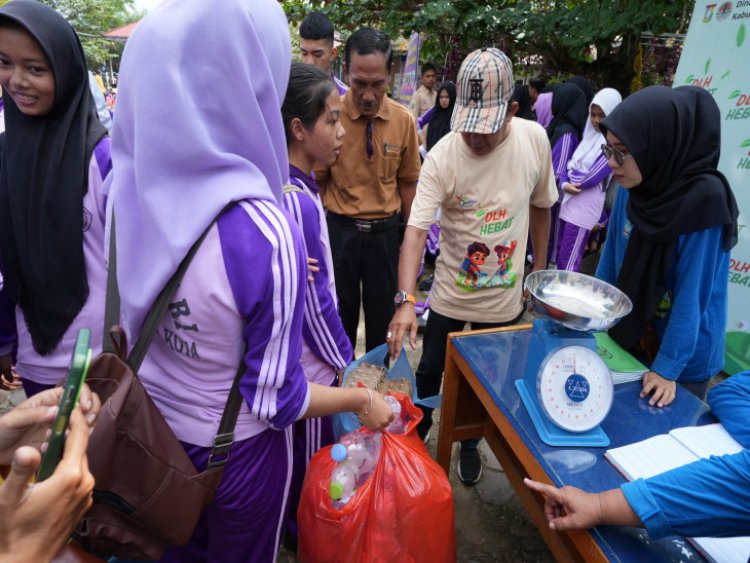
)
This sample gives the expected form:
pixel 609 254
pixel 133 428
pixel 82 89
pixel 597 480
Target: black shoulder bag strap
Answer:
pixel 225 435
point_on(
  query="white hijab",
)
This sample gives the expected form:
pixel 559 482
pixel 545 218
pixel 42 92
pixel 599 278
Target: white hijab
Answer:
pixel 590 147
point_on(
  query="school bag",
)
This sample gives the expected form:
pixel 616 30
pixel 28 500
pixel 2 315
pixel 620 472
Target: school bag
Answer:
pixel 147 495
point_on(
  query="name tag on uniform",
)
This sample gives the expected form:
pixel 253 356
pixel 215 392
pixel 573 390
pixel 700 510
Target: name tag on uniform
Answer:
pixel 390 149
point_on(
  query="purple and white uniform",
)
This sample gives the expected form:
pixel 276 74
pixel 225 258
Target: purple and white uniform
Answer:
pixel 242 289
pixel 43 372
pixel 579 213
pixel 245 287
pixel 561 152
pixel 326 349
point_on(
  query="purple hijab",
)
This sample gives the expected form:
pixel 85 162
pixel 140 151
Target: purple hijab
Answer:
pixel 198 126
pixel 543 109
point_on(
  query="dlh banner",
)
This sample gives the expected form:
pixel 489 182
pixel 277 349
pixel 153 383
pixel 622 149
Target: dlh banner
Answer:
pixel 716 56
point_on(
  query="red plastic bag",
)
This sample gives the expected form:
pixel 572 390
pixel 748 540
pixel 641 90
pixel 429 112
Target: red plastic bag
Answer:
pixel 404 512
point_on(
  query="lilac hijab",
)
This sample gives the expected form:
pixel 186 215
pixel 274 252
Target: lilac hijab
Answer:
pixel 543 109
pixel 198 125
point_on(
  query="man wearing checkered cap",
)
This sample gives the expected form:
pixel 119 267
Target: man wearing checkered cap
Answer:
pixel 492 177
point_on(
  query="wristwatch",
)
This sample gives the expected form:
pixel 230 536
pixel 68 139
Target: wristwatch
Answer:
pixel 402 296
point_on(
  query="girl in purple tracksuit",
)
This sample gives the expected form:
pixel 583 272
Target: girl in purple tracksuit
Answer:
pixel 314 133
pixel 54 155
pixel 584 182
pixel 564 132
pixel 243 296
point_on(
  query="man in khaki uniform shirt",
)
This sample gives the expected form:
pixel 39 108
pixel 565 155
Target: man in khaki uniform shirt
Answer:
pixel 370 188
pixel 424 97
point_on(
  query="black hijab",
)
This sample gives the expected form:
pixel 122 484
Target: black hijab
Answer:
pixel 585 85
pixel 440 122
pixel 569 111
pixel 522 96
pixel 674 136
pixel 44 163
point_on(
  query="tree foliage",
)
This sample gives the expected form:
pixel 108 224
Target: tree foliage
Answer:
pixel 92 18
pixel 565 33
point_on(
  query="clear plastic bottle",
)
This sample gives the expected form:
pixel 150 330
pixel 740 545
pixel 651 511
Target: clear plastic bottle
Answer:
pixel 362 451
pixel 356 454
pixel 397 425
pixel 343 477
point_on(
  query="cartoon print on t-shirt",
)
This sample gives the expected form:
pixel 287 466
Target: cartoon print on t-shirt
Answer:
pixel 471 277
pixel 504 252
pixel 465 202
pixel 476 256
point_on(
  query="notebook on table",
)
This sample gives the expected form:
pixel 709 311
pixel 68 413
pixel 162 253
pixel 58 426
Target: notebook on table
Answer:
pixel 622 365
pixel 682 446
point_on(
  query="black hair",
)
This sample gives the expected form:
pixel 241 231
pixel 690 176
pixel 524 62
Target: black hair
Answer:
pixel 428 67
pixel 367 41
pixel 316 26
pixel 538 82
pixel 306 95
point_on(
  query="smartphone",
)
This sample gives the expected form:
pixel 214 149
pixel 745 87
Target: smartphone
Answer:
pixel 79 365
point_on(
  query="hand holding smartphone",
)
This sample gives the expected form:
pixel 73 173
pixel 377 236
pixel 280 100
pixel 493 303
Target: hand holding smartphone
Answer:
pixel 79 365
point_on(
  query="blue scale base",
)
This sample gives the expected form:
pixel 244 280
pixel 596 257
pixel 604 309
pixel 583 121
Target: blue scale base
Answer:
pixel 550 433
pixel 547 337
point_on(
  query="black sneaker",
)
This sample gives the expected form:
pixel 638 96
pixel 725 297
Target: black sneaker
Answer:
pixel 469 466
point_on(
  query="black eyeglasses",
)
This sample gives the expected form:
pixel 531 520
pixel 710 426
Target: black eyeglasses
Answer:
pixel 611 152
pixel 369 139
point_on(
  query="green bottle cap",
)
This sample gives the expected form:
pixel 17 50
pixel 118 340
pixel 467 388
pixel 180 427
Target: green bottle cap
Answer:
pixel 336 491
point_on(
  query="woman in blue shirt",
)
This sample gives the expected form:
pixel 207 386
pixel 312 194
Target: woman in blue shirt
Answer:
pixel 671 231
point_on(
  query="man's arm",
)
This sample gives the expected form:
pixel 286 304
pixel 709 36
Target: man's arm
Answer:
pixel 406 191
pixel 540 219
pixel 405 319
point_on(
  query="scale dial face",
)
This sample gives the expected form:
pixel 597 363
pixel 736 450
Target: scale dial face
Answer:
pixel 575 388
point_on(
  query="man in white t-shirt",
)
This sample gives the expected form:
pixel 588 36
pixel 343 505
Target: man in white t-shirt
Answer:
pixel 492 177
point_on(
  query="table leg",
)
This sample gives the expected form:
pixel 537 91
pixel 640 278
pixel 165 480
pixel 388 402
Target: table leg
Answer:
pixel 451 378
pixel 462 416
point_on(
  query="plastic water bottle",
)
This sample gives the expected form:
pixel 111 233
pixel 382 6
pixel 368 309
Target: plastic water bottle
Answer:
pixel 343 478
pixel 362 451
pixel 397 425
pixel 356 454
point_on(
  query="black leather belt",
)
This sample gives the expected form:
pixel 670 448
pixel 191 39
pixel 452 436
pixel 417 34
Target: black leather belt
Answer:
pixel 365 225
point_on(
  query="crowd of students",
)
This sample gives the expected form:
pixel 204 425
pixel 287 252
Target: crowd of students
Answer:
pixel 191 151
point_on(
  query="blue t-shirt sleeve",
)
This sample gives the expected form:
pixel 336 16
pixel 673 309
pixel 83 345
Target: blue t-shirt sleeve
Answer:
pixel 710 497
pixel 730 402
pixel 698 257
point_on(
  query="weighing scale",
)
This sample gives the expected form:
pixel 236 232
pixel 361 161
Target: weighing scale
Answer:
pixel 567 389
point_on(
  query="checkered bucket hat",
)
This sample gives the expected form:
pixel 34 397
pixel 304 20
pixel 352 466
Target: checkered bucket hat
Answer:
pixel 485 84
